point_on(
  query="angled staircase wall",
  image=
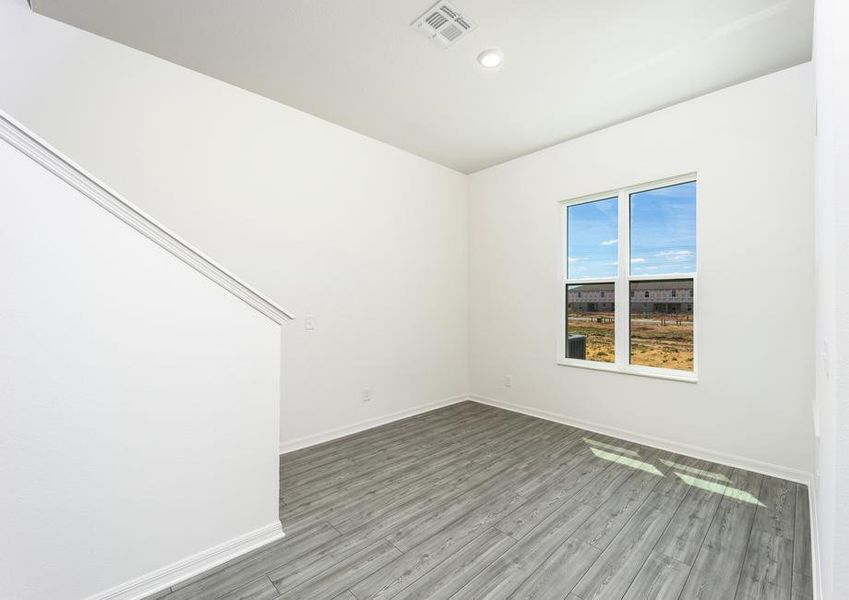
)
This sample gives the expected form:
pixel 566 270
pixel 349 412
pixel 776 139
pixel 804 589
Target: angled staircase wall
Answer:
pixel 140 390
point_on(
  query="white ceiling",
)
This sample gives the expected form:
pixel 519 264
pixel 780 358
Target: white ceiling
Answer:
pixel 570 66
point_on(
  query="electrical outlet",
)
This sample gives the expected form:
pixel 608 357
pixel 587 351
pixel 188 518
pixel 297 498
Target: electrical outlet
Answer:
pixel 508 381
pixel 309 322
pixel 365 395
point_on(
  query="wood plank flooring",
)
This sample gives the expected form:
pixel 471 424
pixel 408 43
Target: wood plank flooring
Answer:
pixel 470 501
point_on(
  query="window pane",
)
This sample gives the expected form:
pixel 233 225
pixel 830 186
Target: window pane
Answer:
pixel 663 230
pixel 662 324
pixel 590 322
pixel 592 237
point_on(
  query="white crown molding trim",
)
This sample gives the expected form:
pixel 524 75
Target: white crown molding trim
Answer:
pixel 722 458
pixel 38 150
pixel 181 570
pixel 339 432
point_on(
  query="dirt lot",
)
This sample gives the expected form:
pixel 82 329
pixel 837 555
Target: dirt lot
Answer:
pixel 656 340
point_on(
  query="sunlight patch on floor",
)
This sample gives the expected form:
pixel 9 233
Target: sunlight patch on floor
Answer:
pixel 694 470
pixel 720 488
pixel 627 461
pixel 611 447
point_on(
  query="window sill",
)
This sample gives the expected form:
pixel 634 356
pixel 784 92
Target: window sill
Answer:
pixel 631 370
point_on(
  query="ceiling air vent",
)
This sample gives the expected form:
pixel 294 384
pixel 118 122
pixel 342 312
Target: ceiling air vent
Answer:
pixel 443 23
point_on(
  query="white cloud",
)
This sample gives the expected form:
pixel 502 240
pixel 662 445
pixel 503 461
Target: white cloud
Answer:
pixel 650 268
pixel 676 254
pixel 574 259
pixel 608 242
pixel 638 260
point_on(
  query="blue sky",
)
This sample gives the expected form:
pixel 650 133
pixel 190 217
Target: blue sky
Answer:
pixel 663 234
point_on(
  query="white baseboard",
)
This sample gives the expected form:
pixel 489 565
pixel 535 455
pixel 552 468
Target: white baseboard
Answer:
pixel 815 541
pixel 722 458
pixel 181 570
pixel 332 434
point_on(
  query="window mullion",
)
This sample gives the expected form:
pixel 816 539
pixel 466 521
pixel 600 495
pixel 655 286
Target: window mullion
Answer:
pixel 622 294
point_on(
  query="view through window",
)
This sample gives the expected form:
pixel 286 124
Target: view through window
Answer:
pixel 590 322
pixel 592 254
pixel 662 324
pixel 652 263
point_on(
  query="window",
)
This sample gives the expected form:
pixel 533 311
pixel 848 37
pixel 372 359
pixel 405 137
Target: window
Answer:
pixel 636 247
pixel 591 267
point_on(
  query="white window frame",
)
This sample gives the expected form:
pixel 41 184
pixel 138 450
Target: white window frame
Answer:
pixel 622 287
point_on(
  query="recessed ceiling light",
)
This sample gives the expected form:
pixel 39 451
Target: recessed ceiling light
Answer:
pixel 490 58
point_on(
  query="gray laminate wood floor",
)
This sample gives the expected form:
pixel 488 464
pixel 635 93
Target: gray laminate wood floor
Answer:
pixel 471 501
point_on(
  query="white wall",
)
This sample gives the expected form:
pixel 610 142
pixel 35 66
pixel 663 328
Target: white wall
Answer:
pixel 831 60
pixel 399 270
pixel 139 399
pixel 370 240
pixel 752 146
